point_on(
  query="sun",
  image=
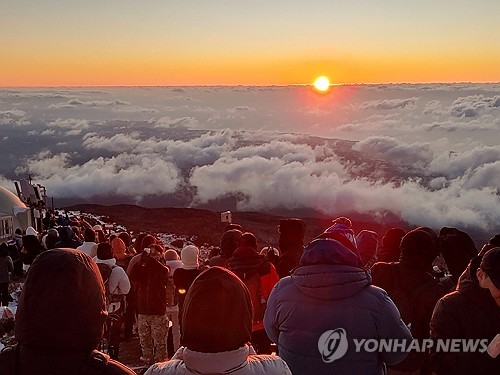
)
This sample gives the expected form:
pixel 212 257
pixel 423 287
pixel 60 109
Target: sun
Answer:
pixel 322 84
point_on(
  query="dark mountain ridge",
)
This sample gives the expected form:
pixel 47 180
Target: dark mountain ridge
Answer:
pixel 206 226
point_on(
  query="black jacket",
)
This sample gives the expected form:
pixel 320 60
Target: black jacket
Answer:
pixel 289 259
pixel 415 293
pixel 468 313
pixel 150 278
pixel 60 318
pixel 32 247
pixel 182 280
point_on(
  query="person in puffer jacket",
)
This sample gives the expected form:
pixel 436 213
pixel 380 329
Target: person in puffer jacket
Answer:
pixel 59 320
pixel 221 345
pixel 330 291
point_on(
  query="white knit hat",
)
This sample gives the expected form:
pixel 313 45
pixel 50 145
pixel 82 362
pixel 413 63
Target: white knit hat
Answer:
pixel 189 257
pixel 97 227
pixel 30 231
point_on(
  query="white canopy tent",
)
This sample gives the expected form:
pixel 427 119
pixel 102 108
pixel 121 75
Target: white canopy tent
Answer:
pixel 11 205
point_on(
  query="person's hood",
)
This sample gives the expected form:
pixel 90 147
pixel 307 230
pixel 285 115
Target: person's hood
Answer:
pixel 219 294
pixel 328 270
pixel 457 248
pixel 329 251
pixel 292 232
pixel 246 261
pixel 214 363
pixel 62 305
pixel 66 234
pixel 229 242
pixel 30 231
pixel 367 242
pixel 419 248
pixel 330 281
pixel 109 262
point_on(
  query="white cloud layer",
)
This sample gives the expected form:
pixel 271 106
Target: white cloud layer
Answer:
pixel 428 153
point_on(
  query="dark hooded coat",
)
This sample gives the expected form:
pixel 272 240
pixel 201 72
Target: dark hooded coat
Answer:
pixel 32 247
pixel 412 288
pixel 150 278
pixel 470 312
pixel 60 318
pixel 67 239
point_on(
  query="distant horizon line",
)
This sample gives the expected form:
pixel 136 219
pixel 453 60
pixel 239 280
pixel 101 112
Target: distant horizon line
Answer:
pixel 261 85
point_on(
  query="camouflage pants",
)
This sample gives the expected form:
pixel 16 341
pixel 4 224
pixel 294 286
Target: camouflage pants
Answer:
pixel 153 331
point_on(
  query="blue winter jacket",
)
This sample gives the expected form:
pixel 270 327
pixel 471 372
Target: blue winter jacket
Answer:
pixel 328 291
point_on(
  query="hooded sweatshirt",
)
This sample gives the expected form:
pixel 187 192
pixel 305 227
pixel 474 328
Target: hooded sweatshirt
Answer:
pixel 219 347
pixel 60 318
pixel 330 290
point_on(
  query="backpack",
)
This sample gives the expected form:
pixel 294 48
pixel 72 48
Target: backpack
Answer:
pixel 113 301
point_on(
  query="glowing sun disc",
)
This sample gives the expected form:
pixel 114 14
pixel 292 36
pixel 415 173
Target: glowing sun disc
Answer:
pixel 322 84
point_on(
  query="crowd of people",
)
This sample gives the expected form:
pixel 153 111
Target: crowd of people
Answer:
pixel 294 308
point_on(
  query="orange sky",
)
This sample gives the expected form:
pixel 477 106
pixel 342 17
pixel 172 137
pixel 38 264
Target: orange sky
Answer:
pixel 165 43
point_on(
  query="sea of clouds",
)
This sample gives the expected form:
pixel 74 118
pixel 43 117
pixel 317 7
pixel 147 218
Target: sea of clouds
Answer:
pixel 428 153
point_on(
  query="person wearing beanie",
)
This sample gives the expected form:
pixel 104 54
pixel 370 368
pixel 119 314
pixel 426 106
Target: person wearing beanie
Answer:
pixel 259 276
pixel 291 244
pixel 220 347
pixel 117 285
pixel 89 245
pixel 59 319
pixel 120 252
pixel 413 288
pixel 184 276
pixel 471 312
pixel 174 262
pixel 389 250
pixel 341 231
pixel 367 242
pixel 228 243
pixel 189 257
pixel 150 277
pixel 331 290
